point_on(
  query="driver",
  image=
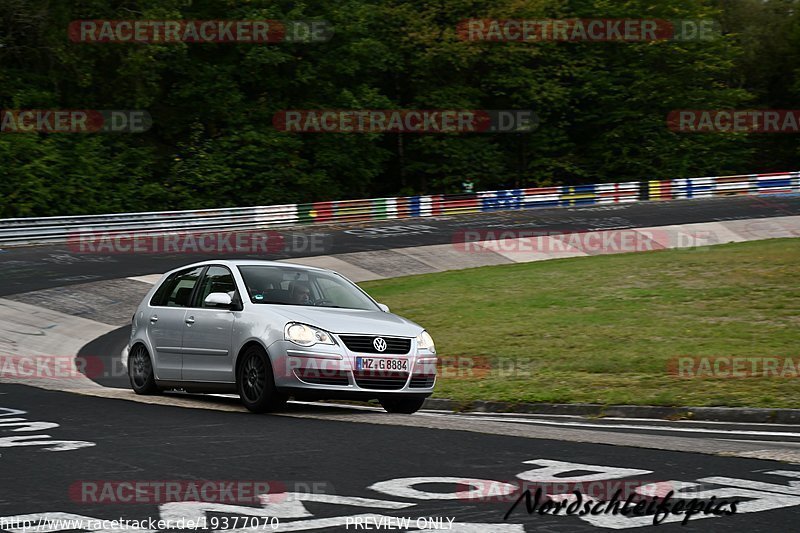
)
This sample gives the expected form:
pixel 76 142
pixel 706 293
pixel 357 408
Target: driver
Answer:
pixel 300 293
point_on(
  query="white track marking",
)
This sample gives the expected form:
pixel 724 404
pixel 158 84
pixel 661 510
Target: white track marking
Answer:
pixel 650 428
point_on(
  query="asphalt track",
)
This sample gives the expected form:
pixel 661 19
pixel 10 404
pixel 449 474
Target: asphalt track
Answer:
pixel 156 443
pixel 40 267
pixel 341 451
pixel 108 349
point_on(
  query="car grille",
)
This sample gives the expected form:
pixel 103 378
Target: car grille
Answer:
pixel 363 344
pixel 322 377
pixel 380 380
pixel 422 381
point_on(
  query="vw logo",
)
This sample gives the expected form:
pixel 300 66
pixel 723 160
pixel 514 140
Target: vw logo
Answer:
pixel 379 344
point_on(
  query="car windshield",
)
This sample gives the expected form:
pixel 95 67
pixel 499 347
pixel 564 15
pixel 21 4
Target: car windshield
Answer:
pixel 295 286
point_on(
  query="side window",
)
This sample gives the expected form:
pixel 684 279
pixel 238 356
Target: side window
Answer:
pixel 176 291
pixel 160 296
pixel 217 279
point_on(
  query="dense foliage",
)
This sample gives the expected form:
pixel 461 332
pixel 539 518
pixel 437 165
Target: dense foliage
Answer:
pixel 602 106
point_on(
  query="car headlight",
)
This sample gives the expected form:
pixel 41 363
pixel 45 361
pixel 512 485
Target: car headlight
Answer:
pixel 306 335
pixel 425 342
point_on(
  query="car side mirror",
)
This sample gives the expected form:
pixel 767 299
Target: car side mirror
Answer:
pixel 219 299
pixel 384 308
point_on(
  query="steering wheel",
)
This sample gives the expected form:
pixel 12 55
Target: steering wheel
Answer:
pixel 322 301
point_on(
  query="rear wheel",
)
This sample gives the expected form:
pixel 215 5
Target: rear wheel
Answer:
pixel 402 405
pixel 256 383
pixel 140 371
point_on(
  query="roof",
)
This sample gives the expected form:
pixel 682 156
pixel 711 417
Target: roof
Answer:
pixel 249 262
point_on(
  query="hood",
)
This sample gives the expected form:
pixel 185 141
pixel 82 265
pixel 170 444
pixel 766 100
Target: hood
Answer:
pixel 343 321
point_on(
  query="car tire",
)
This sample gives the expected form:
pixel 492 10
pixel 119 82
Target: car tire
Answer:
pixel 256 384
pixel 140 371
pixel 405 406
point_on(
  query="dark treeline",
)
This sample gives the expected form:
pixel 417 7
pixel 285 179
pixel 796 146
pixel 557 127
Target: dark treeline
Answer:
pixel 602 106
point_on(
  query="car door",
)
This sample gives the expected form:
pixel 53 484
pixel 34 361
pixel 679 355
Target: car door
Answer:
pixel 166 322
pixel 208 331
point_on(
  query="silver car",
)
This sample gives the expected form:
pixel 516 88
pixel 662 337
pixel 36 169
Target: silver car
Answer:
pixel 269 330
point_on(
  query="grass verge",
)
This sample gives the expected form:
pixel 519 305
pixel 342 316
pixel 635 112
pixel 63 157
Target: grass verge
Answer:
pixel 604 329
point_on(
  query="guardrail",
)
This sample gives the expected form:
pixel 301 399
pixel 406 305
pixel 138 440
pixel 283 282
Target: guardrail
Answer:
pixel 60 229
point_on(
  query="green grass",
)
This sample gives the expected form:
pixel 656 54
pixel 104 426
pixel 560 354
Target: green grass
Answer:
pixel 603 329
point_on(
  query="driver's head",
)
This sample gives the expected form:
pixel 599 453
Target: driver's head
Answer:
pixel 300 292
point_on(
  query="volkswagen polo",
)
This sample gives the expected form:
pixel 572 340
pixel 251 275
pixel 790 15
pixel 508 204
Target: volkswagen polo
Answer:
pixel 269 331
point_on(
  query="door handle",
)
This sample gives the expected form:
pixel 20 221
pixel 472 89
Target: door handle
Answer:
pixel 190 320
pixel 153 319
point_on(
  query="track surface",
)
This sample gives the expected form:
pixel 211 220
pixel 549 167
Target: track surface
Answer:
pixel 109 347
pixel 136 442
pixel 34 268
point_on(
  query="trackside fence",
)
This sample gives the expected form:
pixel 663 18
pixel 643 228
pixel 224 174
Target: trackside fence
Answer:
pixel 60 229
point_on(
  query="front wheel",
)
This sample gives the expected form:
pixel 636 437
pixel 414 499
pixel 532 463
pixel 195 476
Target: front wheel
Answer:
pixel 140 371
pixel 402 405
pixel 256 383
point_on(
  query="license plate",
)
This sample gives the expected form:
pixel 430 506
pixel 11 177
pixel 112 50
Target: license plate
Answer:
pixel 381 363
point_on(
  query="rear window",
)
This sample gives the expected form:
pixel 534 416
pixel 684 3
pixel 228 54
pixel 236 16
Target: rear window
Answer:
pixel 176 291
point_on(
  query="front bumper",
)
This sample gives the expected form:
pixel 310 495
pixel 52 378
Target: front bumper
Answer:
pixel 324 368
